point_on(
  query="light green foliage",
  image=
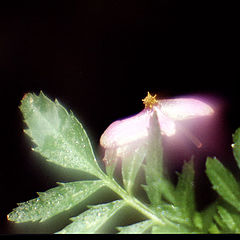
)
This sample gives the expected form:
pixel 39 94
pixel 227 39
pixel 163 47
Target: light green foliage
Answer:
pixel 227 217
pixel 206 219
pixel 137 228
pixel 61 139
pixel 230 219
pixel 92 220
pixel 236 146
pixel 223 182
pixel 110 160
pixel 131 162
pixel 185 197
pixel 181 215
pixel 154 163
pixel 54 201
pixel 171 228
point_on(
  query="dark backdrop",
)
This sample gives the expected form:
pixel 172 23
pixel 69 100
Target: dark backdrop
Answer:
pixel 99 58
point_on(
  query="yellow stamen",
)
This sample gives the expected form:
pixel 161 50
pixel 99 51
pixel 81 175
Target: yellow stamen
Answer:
pixel 149 101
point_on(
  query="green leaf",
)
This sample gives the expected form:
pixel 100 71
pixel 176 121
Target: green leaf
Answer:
pixel 197 220
pixel 164 186
pixel 213 229
pixel 59 136
pixel 54 201
pixel 137 228
pixel 231 221
pixel 92 220
pixel 236 146
pixel 170 212
pixel 154 162
pixel 171 228
pixel 207 217
pixel 185 196
pixel 132 158
pixel 110 160
pixel 223 182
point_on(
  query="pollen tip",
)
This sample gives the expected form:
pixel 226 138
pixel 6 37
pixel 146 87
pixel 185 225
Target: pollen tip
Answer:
pixel 149 101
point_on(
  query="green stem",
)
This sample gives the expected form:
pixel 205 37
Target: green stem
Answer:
pixel 132 201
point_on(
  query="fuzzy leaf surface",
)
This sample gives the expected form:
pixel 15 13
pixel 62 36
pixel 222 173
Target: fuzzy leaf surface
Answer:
pixel 92 220
pixel 231 219
pixel 223 182
pixel 207 218
pixel 185 196
pixel 110 160
pixel 137 228
pixel 236 146
pixel 154 162
pixel 171 228
pixel 59 136
pixel 131 162
pixel 54 201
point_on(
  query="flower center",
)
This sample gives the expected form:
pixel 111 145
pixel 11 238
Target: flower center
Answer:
pixel 149 101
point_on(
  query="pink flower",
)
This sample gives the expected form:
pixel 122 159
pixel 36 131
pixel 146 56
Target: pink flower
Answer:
pixel 135 128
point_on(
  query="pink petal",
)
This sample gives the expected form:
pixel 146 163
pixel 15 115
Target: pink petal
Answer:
pixel 125 131
pixel 184 108
pixel 167 125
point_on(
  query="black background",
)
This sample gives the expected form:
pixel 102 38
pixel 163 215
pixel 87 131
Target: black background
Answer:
pixel 99 58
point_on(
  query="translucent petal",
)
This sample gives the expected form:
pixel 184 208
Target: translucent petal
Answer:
pixel 184 108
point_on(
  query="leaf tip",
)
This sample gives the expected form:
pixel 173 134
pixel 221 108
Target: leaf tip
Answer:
pixel 60 183
pixel 9 217
pixel 209 159
pixel 25 96
pixel 56 101
pixel 41 93
pixel 39 193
